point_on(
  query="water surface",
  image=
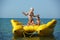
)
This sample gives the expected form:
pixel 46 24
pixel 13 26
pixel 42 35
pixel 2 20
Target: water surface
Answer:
pixel 6 29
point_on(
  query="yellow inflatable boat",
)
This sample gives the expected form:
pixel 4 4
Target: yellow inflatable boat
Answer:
pixel 42 30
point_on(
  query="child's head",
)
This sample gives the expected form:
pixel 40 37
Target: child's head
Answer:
pixel 38 16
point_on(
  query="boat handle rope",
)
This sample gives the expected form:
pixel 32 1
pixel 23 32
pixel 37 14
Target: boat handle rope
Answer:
pixel 29 33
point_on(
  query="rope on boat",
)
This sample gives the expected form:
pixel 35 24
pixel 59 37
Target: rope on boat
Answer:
pixel 33 34
pixel 29 33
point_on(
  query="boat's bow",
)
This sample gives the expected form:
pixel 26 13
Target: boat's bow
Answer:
pixel 47 29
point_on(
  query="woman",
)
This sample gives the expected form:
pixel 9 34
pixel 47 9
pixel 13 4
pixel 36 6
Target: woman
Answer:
pixel 30 15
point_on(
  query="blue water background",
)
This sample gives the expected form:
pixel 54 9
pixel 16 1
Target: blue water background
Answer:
pixel 6 27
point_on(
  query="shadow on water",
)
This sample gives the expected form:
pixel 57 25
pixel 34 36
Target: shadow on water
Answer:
pixel 57 35
pixel 36 38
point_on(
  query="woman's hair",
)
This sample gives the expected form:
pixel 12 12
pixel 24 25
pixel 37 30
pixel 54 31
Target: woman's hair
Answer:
pixel 32 9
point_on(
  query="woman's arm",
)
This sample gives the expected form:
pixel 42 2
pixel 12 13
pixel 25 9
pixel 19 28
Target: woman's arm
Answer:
pixel 35 16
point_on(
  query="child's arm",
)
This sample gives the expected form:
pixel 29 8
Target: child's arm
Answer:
pixel 25 13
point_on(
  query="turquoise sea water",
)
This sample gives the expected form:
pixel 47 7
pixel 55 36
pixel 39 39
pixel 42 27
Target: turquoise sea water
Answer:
pixel 6 29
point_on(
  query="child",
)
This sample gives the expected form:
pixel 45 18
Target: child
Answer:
pixel 38 20
pixel 30 15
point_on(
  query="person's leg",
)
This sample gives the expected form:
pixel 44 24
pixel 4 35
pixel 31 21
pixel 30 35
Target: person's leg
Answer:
pixel 32 22
pixel 29 22
pixel 38 22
